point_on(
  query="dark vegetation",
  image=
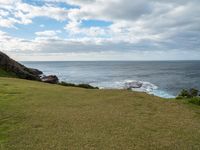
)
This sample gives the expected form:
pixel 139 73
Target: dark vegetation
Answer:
pixel 4 73
pixel 191 95
pixel 86 86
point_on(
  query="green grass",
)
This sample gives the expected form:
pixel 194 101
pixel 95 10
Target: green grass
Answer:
pixel 4 73
pixel 38 116
pixel 194 100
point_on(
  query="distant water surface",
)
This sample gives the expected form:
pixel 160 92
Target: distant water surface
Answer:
pixel 161 78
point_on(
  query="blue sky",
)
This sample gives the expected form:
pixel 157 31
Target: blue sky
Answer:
pixel 100 29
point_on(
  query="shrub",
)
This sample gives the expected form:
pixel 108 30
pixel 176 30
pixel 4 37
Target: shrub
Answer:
pixel 195 100
pixel 184 93
pixel 86 86
pixel 179 97
pixel 188 94
pixel 194 92
pixel 66 84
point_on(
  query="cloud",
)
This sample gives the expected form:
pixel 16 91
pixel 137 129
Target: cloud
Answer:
pixel 137 26
pixel 8 2
pixel 30 11
pixel 49 33
pixel 135 20
pixel 51 48
pixel 16 12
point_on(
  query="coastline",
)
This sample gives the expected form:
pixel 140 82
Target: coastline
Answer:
pixel 166 79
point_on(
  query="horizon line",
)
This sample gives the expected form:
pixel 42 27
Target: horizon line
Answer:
pixel 98 60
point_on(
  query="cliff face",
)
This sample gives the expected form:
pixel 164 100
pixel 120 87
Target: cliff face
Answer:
pixel 10 65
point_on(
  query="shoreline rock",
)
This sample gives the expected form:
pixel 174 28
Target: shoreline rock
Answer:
pixel 23 72
pixel 10 65
pixel 53 79
pixel 133 84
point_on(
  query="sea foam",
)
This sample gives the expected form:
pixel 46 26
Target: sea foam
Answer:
pixel 139 86
pixel 149 88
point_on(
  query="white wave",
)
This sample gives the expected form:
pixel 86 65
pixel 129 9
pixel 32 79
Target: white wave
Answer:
pixel 163 94
pixel 146 87
pixel 149 88
pixel 143 86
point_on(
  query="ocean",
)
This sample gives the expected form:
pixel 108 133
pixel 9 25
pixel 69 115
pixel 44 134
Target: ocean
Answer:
pixel 161 78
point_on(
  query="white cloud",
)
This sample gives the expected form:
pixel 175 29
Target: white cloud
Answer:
pixel 138 26
pixel 7 22
pixel 88 49
pixel 30 11
pixel 23 13
pixel 8 2
pixel 48 33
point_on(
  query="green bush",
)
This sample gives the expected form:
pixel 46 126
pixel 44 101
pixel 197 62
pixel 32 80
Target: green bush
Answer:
pixel 4 73
pixel 188 94
pixel 66 84
pixel 184 93
pixel 195 100
pixel 194 92
pixel 86 86
pixel 191 96
pixel 179 97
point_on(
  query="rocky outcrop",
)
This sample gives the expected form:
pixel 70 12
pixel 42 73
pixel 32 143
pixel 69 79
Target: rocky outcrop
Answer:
pixel 133 84
pixel 10 65
pixel 50 79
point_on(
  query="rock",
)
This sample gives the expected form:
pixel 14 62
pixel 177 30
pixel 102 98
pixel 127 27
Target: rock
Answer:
pixel 35 71
pixel 50 79
pixel 133 84
pixel 10 65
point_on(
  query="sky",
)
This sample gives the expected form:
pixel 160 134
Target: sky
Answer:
pixel 67 30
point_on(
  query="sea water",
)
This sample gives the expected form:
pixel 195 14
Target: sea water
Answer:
pixel 161 78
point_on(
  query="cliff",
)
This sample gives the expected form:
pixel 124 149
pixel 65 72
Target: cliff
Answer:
pixel 9 65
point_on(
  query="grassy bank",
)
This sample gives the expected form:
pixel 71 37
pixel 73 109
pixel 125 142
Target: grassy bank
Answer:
pixel 4 73
pixel 35 116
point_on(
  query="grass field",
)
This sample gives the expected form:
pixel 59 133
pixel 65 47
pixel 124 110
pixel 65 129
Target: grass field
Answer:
pixel 38 116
